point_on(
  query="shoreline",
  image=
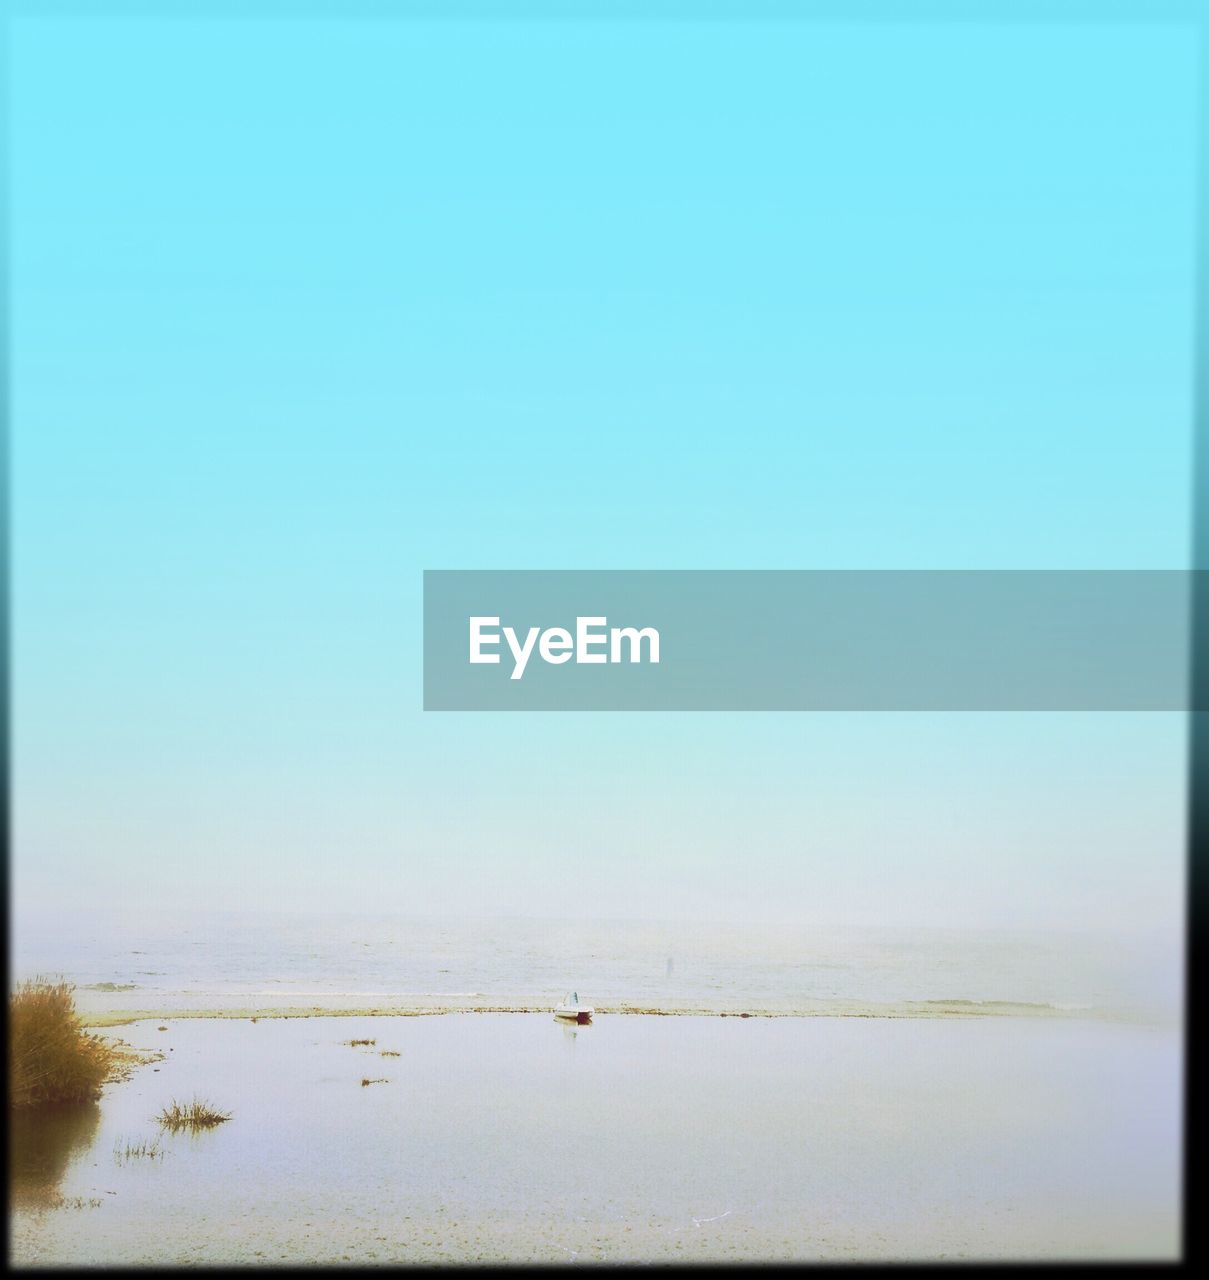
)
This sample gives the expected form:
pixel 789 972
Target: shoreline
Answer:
pixel 923 1009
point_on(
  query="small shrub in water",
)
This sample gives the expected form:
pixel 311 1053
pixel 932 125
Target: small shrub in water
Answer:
pixel 144 1149
pixel 192 1116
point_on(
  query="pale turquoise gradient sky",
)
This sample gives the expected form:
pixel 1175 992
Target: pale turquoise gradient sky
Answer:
pixel 303 308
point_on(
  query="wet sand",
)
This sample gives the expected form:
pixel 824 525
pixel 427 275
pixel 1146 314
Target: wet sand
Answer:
pixel 508 1137
pixel 414 1007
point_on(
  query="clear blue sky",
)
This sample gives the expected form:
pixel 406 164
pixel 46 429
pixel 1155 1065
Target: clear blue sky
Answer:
pixel 303 308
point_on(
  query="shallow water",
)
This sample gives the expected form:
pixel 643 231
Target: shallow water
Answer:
pixel 260 961
pixel 510 1137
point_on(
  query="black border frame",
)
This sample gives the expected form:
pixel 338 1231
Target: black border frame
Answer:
pixel 1192 14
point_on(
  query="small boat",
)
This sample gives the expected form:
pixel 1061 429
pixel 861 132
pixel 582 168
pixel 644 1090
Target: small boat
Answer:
pixel 571 1010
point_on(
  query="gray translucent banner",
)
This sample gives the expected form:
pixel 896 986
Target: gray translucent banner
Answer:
pixel 807 640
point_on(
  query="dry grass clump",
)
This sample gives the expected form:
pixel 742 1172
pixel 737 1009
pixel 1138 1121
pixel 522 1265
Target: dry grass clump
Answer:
pixel 75 1202
pixel 389 1053
pixel 143 1149
pixel 380 1080
pixel 195 1115
pixel 355 1043
pixel 51 1057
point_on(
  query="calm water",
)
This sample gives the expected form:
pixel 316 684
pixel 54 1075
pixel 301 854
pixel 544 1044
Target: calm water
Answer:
pixel 509 1137
pixel 230 960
